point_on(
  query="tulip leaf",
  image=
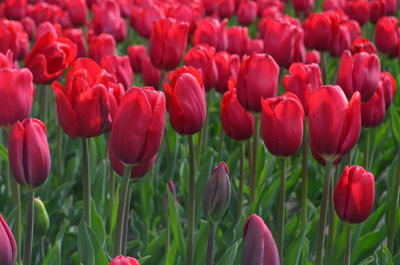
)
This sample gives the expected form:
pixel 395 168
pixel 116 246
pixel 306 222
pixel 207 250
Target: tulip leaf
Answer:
pixel 394 116
pixel 53 257
pixel 4 153
pixel 98 226
pixel 230 255
pixel 201 243
pixel 175 225
pixel 373 220
pixel 85 246
pixel 367 244
pixel 100 256
pixel 294 250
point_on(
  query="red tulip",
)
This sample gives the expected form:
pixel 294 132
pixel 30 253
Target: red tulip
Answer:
pixel 255 46
pixel 357 10
pixel 259 247
pixel 29 153
pixel 121 260
pixel 313 57
pixel 228 66
pixel 391 7
pixel 265 5
pixel 237 123
pixel 359 72
pixel 318 31
pixel 100 46
pixel 76 36
pixel 151 75
pixel 15 9
pixel 238 39
pixel 142 18
pixel 77 12
pixel 257 79
pixel 386 35
pixel 14 38
pixel 186 11
pixel 16 95
pixel 377 9
pixel 247 12
pixel 29 26
pixel 201 57
pixel 186 100
pixel 46 27
pixel 373 111
pixel 86 103
pixel 120 68
pixel 282 121
pixel 6 60
pixel 389 88
pixel 354 194
pixel 8 247
pixel 43 11
pixel 138 126
pixel 334 123
pixel 362 45
pixel 303 5
pixel 49 58
pixel 168 43
pixel 212 32
pixel 137 54
pixel 226 8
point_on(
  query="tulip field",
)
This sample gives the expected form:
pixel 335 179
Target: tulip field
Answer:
pixel 199 132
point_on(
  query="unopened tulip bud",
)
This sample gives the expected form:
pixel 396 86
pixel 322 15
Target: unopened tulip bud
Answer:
pixel 41 217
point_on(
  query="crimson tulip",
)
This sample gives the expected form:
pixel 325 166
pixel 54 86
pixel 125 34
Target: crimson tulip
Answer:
pixel 43 11
pixel 77 12
pixel 29 26
pixel 357 10
pixel 318 31
pixel 76 36
pixel 138 125
pixel 28 152
pixel 100 46
pixel 14 9
pixel 212 32
pixel 387 36
pixel 14 38
pixel 6 60
pixel 45 27
pixel 257 79
pixel 247 12
pixel 8 247
pixel 168 43
pixel 238 39
pixel 362 45
pixel 226 8
pixel 377 9
pixel 373 111
pixel 313 57
pixel 259 247
pixel 334 123
pixel 228 66
pixel 142 18
pixel 120 68
pixel 359 72
pixel 121 260
pixel 389 88
pixel 137 54
pixel 151 75
pixel 304 6
pixel 354 194
pixel 186 11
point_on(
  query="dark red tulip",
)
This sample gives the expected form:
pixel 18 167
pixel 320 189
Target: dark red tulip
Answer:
pixel 302 80
pixel 257 79
pixel 76 36
pixel 85 104
pixel 46 27
pixel 100 46
pixel 16 93
pixel 247 12
pixel 41 12
pixel 259 247
pixel 201 58
pixel 391 7
pixel 359 72
pixel 266 5
pixel 357 10
pixel 389 87
pixel 284 41
pixel 362 45
pixel 212 32
pixel 186 100
pixel 186 11
pixel 142 18
pixel 301 6
pixel 6 60
pixel 226 8
pixel 321 160
pixel 77 12
pixel 168 43
pixel 354 194
pixel 15 9
pixel 107 19
pixel 373 111
pixel 237 123
pixel 318 31
pixel 14 38
pixel 334 123
pixel 29 26
pixel 377 9
pixel 344 33
pixel 138 126
pixel 313 57
pixel 121 260
pixel 386 35
pixel 29 153
pixel 8 247
pixel 137 54
pixel 120 68
pixel 255 46
pixel 228 66
pixel 282 121
pixel 49 58
pixel 238 39
pixel 151 75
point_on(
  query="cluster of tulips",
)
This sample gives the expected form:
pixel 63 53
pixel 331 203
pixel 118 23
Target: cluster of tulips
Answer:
pixel 308 82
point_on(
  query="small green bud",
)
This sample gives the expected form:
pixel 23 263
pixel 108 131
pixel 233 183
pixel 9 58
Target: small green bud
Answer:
pixel 42 222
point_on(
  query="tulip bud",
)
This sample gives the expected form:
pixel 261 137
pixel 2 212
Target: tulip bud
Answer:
pixel 76 36
pixel 387 36
pixel 14 38
pixel 357 10
pixel 247 12
pixel 142 18
pixel 8 247
pixel 238 39
pixel 121 260
pixel 137 54
pixel 362 45
pixel 228 66
pixel 41 217
pixel 389 87
pixel 318 31
pixel 373 111
pixel 100 46
pixel 354 194
pixel 217 193
pixel 212 32
pixel 259 247
pixel 151 75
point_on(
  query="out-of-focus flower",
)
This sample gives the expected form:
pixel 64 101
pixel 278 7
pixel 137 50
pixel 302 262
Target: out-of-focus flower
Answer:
pixel 120 68
pixel 212 32
pixel 228 66
pixel 100 46
pixel 142 19
pixel 14 38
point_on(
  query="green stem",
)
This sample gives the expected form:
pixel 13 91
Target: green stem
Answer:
pixel 241 177
pixel 192 203
pixel 331 221
pixel 253 175
pixel 42 249
pixel 86 181
pixel 210 245
pixel 221 144
pixel 29 228
pixel 43 103
pixel 324 62
pixel 393 209
pixel 168 240
pixel 347 254
pixel 368 149
pixel 304 177
pixel 59 154
pixel 111 187
pixel 281 211
pixel 121 209
pixel 126 220
pixel 322 216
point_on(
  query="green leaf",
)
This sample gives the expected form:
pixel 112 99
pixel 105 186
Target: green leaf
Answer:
pixel 100 255
pixel 175 225
pixel 394 117
pixel 85 246
pixel 367 244
pixel 53 257
pixel 98 226
pixel 229 256
pixel 4 153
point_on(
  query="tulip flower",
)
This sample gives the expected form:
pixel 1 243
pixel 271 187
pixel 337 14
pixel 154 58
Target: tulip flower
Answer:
pixel 16 94
pixel 8 247
pixel 142 19
pixel 226 8
pixel 86 104
pixel 354 194
pixel 29 152
pixel 29 26
pixel 227 66
pixel 201 57
pixel 15 9
pixel 389 88
pixel 303 5
pixel 238 39
pixel 46 27
pixel 151 75
pixel 318 31
pixel 258 244
pixel 386 35
pixel 257 79
pixel 42 222
pixel 186 100
pixel 43 11
pixel 168 43
pixel 100 46
pixel 76 36
pixel 358 10
pixel 247 12
pixel 121 260
pixel 362 45
pixel 359 72
pixel 120 68
pixel 6 60
pixel 77 12
pixel 277 113
pixel 302 80
pixel 14 38
pixel 313 57
pixel 137 54
pixel 49 58
pixel 212 32
pixel 373 111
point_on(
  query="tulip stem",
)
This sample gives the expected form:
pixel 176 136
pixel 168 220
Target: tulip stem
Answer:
pixel 304 180
pixel 111 184
pixel 126 221
pixel 322 216
pixel 210 245
pixel 191 207
pixel 86 181
pixel 253 175
pixel 393 209
pixel 241 177
pixel 331 221
pixel 121 210
pixel 281 211
pixel 347 254
pixel 29 227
